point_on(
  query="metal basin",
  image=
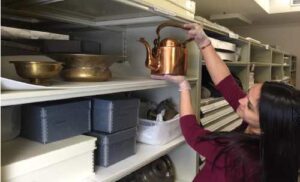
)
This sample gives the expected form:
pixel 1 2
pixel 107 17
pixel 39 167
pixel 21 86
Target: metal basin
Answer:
pixel 86 60
pixel 86 74
pixel 86 67
pixel 38 72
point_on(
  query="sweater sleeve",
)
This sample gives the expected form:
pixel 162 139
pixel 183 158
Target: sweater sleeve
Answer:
pixel 231 91
pixel 192 132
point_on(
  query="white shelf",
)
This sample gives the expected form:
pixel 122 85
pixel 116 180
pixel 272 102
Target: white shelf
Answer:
pixel 217 115
pixel 260 64
pixel 233 63
pixel 144 155
pixel 81 90
pixel 221 123
pixel 277 64
pixel 232 125
pixel 210 100
pixel 213 106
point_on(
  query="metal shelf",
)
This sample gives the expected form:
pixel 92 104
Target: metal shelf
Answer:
pixel 232 63
pixel 78 90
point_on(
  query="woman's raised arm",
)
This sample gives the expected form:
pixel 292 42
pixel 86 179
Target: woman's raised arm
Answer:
pixel 216 67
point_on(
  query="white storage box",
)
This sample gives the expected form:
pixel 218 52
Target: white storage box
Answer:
pixel 227 56
pixel 170 8
pixel 68 160
pixel 158 133
pixel 186 4
pixel 223 45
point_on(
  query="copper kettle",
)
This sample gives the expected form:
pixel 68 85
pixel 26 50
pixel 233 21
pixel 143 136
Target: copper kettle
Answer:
pixel 169 56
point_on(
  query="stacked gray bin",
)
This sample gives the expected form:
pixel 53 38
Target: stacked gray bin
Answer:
pixel 114 122
pixel 114 147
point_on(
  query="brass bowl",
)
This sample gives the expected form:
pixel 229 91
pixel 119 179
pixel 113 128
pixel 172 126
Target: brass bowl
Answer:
pixel 86 74
pixel 86 67
pixel 85 60
pixel 38 72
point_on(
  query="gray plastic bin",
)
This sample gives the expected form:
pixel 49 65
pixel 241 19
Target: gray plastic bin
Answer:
pixel 114 114
pixel 53 121
pixel 114 147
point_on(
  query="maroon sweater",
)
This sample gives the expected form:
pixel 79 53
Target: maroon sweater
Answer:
pixel 192 131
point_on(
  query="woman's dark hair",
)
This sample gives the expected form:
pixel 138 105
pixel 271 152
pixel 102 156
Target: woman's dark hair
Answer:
pixel 279 108
pixel 277 149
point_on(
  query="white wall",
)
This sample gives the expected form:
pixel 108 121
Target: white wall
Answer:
pixel 287 37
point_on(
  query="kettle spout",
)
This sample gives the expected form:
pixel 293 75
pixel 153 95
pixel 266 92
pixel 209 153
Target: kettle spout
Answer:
pixel 151 62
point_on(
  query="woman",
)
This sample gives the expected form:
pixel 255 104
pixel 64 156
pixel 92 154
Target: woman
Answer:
pixel 266 147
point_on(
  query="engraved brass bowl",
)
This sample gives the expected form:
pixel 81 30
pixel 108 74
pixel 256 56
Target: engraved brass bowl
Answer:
pixel 86 74
pixel 86 67
pixel 37 72
pixel 86 60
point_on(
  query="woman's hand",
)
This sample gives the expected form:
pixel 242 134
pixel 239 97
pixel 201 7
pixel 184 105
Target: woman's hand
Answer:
pixel 186 107
pixel 216 67
pixel 182 83
pixel 196 31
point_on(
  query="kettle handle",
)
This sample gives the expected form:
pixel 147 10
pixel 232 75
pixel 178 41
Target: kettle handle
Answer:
pixel 170 24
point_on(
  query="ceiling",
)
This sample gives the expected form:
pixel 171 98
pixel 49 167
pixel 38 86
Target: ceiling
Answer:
pixel 246 8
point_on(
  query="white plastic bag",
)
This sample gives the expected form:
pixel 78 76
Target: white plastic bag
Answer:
pixel 158 133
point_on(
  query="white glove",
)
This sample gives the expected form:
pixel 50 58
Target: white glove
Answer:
pixel 182 83
pixel 196 31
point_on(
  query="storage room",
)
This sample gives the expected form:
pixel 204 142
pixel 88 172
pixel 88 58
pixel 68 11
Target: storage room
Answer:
pixel 150 91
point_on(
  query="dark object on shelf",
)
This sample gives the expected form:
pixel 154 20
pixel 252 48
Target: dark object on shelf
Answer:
pixel 205 92
pixel 54 46
pixel 112 114
pixel 160 170
pixel 60 46
pixel 15 48
pixel 114 147
pixel 167 105
pixel 70 46
pixel 208 83
pixel 90 47
pixel 38 72
pixel 10 122
pixel 237 80
pixel 169 108
pixel 52 121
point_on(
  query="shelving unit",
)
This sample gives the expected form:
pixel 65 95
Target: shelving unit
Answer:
pixel 118 24
pixel 287 61
pixel 126 22
pixel 277 57
pixel 293 70
pixel 260 55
